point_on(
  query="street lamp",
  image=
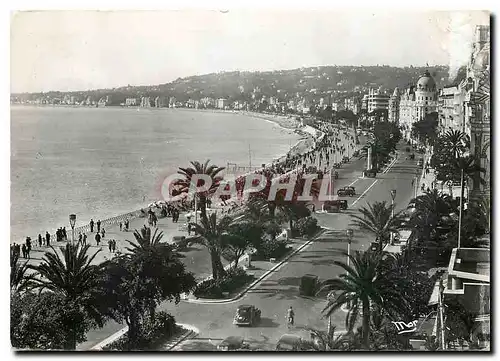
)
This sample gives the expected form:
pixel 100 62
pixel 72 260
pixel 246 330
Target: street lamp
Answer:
pixel 72 221
pixel 349 234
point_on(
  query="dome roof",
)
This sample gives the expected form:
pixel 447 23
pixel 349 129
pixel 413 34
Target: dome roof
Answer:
pixel 426 82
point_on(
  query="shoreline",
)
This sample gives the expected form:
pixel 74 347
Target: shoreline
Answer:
pixel 300 146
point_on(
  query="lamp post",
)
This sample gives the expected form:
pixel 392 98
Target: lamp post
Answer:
pixel 393 197
pixel 349 234
pixel 72 221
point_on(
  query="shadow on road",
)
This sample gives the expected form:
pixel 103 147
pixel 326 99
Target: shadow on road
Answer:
pixel 267 322
pixel 196 345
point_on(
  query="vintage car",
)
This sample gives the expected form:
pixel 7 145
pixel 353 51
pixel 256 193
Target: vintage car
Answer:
pixel 337 165
pixel 345 159
pixel 370 173
pixel 180 243
pixel 233 343
pixel 289 342
pixel 346 191
pixel 337 203
pixel 246 315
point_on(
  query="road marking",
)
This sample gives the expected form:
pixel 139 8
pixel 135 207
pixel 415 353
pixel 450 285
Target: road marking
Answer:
pixel 362 194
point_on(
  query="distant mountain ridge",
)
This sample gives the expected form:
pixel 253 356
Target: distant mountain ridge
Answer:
pixel 335 81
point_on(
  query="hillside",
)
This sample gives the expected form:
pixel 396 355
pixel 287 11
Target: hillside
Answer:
pixel 313 82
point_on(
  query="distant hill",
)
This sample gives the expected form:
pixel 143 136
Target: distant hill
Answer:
pixel 313 82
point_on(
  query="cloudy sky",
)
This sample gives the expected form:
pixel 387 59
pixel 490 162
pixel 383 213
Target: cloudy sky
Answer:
pixel 77 50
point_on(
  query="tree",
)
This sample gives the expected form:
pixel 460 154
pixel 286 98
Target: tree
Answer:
pixel 45 321
pixel 239 238
pixel 76 280
pixel 378 219
pixel 363 286
pixel 198 168
pixel 210 234
pixel 136 283
pixel 456 142
pixel 426 129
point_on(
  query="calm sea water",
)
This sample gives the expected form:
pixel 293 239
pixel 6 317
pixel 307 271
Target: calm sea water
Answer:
pixel 101 162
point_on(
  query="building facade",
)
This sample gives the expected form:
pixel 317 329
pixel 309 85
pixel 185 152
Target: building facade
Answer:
pixel 394 106
pixel 377 100
pixel 416 102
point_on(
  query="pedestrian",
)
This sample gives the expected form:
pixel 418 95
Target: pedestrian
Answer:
pixel 80 238
pixel 28 244
pixel 91 225
pixel 40 240
pixel 103 232
pixel 47 238
pixel 290 315
pixel 98 225
pixel 110 245
pixel 97 238
pixel 24 250
pixel 113 246
pixel 120 226
pixel 84 239
pixel 64 234
pixel 422 187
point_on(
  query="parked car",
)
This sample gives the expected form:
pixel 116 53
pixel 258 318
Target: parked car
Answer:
pixel 180 242
pixel 308 285
pixel 340 203
pixel 337 165
pixel 289 342
pixel 246 315
pixel 346 191
pixel 345 159
pixel 370 173
pixel 233 343
pixel 356 154
pixel 331 207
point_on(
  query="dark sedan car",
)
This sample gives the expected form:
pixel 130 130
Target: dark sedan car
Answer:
pixel 247 315
pixel 346 191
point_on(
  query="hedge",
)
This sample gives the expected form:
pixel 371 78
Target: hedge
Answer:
pixel 234 279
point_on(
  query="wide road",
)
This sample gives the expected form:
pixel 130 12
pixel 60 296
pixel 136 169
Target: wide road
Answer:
pixel 281 289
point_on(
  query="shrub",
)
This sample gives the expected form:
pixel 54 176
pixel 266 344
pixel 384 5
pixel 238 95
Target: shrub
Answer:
pixel 272 248
pixel 234 279
pixel 307 226
pixel 153 332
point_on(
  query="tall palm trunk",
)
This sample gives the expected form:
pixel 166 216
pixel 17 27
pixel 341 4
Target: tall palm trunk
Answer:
pixel 133 330
pixel 272 209
pixel 203 207
pixel 366 324
pixel 217 267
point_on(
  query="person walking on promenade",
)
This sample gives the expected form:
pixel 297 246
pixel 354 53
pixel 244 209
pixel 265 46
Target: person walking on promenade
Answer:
pixel 422 187
pixel 113 246
pixel 47 239
pixel 40 241
pixel 65 235
pixel 23 248
pixel 121 226
pixel 84 239
pixel 110 245
pixel 80 238
pixel 290 316
pixel 97 238
pixel 103 232
pixel 91 225
pixel 98 225
pixel 28 245
pixel 126 225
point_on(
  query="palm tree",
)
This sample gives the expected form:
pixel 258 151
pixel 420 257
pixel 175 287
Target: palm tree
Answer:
pixel 19 279
pixel 73 277
pixel 378 219
pixel 363 286
pixel 324 341
pixel 455 142
pixel 210 234
pixel 198 168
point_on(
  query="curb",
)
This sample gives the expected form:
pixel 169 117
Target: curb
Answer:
pixel 191 331
pixel 258 280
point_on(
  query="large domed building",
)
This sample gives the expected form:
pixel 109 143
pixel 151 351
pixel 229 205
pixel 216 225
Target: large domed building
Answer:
pixel 416 102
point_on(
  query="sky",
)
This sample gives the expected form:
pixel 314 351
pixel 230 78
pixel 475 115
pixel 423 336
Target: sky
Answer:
pixel 81 50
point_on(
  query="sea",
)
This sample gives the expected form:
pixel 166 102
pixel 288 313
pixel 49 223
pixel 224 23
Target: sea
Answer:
pixel 103 162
